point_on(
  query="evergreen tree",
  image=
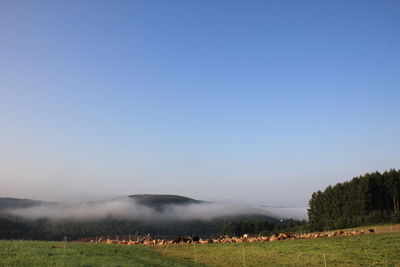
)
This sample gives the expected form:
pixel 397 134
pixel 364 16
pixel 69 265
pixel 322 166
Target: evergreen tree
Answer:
pixel 371 198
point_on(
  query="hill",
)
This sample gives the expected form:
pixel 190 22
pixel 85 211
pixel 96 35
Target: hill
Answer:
pixel 122 217
pixel 155 201
pixel 12 203
pixel 159 202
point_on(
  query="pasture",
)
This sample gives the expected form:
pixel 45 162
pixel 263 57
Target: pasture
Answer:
pixel 363 250
pixel 37 253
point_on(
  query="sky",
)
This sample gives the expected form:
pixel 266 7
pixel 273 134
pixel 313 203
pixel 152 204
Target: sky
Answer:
pixel 243 101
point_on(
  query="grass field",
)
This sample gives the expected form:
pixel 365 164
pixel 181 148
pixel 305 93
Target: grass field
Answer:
pixel 35 253
pixel 364 250
pixel 385 228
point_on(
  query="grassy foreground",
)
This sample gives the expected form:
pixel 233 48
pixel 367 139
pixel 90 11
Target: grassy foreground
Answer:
pixel 36 253
pixel 364 250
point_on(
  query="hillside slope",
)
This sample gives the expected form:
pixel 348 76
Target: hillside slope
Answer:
pixel 158 202
pixel 12 203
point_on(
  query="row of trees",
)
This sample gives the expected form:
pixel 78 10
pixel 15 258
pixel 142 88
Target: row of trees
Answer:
pixel 367 199
pixel 259 225
pixel 42 229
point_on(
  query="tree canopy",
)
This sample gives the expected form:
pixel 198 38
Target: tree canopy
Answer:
pixel 367 199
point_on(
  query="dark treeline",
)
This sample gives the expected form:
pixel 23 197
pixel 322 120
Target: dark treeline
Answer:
pixel 369 199
pixel 259 225
pixel 14 227
pixel 43 229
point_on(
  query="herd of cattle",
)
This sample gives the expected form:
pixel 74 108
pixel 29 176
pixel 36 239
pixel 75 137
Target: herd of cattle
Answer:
pixel 148 240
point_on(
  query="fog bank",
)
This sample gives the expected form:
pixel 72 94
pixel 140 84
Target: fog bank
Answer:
pixel 129 209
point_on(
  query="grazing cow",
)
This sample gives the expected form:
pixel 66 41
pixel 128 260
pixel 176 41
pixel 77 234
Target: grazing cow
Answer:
pixel 371 231
pixel 177 239
pixel 194 238
pixel 226 240
pixel 273 238
pixel 201 241
pixel 282 236
pixel 147 242
pixel 148 237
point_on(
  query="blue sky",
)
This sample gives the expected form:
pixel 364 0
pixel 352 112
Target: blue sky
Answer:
pixel 251 101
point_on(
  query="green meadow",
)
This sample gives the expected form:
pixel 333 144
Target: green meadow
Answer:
pixel 38 253
pixel 364 250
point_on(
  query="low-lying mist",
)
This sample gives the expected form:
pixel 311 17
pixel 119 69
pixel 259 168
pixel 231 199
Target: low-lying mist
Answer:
pixel 129 209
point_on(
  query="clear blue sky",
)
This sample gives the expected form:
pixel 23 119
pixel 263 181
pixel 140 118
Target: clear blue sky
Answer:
pixel 256 101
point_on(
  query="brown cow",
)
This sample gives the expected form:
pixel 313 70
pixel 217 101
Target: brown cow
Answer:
pixel 273 238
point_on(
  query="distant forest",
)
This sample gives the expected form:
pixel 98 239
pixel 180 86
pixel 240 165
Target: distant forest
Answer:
pixel 368 199
pixel 14 227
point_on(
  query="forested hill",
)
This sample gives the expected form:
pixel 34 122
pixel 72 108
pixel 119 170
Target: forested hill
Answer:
pixel 368 199
pixel 11 203
pixel 16 227
pixel 156 200
pixel 151 200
